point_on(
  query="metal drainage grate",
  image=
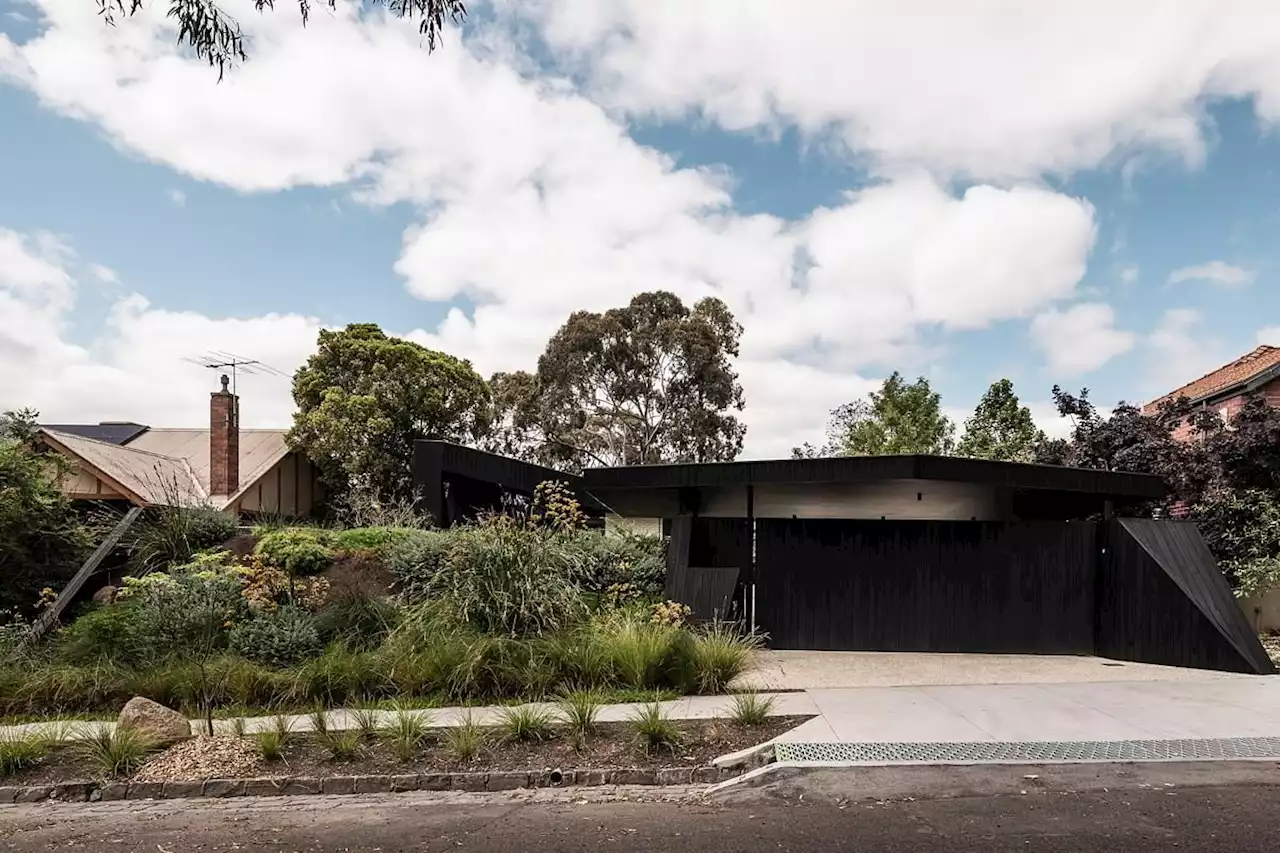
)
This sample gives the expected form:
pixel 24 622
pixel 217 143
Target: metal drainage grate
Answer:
pixel 1118 750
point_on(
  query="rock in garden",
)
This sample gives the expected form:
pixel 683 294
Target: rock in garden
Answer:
pixel 106 595
pixel 161 726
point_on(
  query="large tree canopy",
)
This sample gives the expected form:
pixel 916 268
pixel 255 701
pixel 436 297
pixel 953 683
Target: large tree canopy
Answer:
pixel 42 539
pixel 651 382
pixel 899 418
pixel 364 398
pixel 1000 427
pixel 214 36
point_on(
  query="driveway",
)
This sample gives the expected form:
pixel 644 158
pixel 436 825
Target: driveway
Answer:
pixel 799 670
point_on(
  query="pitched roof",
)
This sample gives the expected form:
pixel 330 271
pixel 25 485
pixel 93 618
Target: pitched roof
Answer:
pixel 112 432
pixel 260 450
pixel 1228 376
pixel 171 466
pixel 150 478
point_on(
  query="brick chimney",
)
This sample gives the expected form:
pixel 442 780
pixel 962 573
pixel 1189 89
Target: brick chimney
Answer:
pixel 224 441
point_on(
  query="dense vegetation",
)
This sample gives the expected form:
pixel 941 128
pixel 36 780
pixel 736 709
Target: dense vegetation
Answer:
pixel 502 609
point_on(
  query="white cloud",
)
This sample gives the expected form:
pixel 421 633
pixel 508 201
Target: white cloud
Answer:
pixel 988 89
pixel 1270 336
pixel 1129 274
pixel 1214 272
pixel 106 275
pixel 535 202
pixel 1045 414
pixel 178 197
pixel 1179 351
pixel 138 349
pixel 1080 339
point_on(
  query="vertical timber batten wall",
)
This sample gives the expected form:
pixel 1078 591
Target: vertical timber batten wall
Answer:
pixel 952 586
pixel 1134 589
pixel 1162 599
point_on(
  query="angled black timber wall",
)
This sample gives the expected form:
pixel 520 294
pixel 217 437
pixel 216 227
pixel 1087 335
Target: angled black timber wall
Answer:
pixel 1162 599
pixel 942 586
pixel 705 560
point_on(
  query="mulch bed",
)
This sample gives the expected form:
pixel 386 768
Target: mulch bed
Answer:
pixel 613 746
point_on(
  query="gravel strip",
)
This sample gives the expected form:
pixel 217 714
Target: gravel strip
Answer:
pixel 203 758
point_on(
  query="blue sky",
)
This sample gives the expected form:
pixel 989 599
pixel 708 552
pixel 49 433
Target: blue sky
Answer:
pixel 249 222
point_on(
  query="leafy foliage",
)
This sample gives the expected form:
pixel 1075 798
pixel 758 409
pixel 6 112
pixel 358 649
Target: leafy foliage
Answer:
pixel 651 382
pixel 281 637
pixel 1000 427
pixel 214 36
pixel 42 538
pixel 299 551
pixel 364 398
pixel 899 418
pixel 602 562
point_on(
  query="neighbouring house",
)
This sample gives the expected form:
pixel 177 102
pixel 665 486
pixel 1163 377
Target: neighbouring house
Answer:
pixel 240 471
pixel 1224 390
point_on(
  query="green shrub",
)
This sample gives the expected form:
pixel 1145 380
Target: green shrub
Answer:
pixel 43 538
pixel 506 578
pixel 107 632
pixel 280 637
pixel 171 535
pixel 359 622
pixel 618 558
pixel 298 550
pixel 414 558
pixel 364 538
pixel 187 611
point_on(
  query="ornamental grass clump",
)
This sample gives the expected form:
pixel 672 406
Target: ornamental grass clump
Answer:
pixel 525 723
pixel 506 578
pixel 721 652
pixel 751 709
pixel 654 729
pixel 113 751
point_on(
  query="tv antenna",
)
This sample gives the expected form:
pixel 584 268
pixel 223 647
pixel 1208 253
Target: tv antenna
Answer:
pixel 219 360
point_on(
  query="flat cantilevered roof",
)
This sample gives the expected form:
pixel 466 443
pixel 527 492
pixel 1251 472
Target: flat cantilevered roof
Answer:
pixel 863 469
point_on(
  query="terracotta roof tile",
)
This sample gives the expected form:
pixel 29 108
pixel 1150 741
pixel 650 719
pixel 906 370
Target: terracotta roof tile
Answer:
pixel 1241 370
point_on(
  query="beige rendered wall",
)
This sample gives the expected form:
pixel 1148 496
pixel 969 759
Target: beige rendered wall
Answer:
pixel 645 526
pixel 1263 611
pixel 82 485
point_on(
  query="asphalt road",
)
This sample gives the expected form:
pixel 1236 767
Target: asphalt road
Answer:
pixel 1239 819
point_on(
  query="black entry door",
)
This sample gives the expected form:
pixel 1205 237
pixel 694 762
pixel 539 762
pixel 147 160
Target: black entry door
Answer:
pixel 944 586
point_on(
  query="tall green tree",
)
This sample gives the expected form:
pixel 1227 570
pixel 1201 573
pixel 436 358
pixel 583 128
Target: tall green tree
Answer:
pixel 1000 427
pixel 899 418
pixel 651 382
pixel 42 538
pixel 206 29
pixel 364 398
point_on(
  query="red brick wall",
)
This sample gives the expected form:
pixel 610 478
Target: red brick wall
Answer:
pixel 224 443
pixel 1269 392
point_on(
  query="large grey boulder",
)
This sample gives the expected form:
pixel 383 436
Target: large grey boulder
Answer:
pixel 160 726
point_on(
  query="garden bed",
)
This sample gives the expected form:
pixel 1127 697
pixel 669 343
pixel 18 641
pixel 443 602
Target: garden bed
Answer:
pixel 612 749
